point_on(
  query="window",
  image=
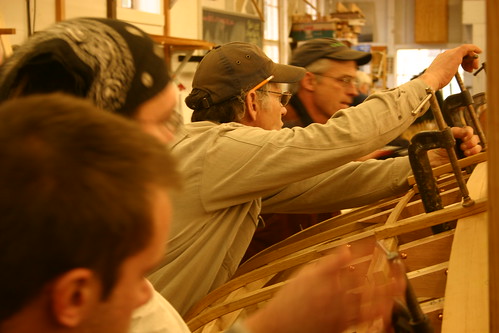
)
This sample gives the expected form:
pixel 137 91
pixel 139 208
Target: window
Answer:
pixel 148 6
pixel 126 4
pixel 411 62
pixel 311 8
pixel 271 29
pixel 146 14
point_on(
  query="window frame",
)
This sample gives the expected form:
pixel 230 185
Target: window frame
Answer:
pixel 152 23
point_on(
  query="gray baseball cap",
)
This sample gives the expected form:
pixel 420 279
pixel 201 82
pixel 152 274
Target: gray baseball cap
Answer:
pixel 229 69
pixel 329 48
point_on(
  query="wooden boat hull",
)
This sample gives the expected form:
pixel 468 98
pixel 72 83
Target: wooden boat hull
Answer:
pixel 448 271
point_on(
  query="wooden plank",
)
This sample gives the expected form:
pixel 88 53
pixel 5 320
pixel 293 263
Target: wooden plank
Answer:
pixel 493 162
pixel 431 20
pixel 250 298
pixel 429 282
pixel 298 246
pixel 325 231
pixel 433 310
pixel 360 242
pixel 466 295
pixel 447 214
pixel 427 251
pixel 379 269
pixel 463 163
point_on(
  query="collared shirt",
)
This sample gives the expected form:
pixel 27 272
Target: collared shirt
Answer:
pixel 233 172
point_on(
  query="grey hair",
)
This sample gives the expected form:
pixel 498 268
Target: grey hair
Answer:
pixel 232 110
pixel 319 66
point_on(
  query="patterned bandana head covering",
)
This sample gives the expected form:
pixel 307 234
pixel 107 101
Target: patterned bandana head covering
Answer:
pixel 112 63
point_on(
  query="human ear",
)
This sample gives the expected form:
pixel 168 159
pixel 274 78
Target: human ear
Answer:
pixel 73 295
pixel 308 82
pixel 252 106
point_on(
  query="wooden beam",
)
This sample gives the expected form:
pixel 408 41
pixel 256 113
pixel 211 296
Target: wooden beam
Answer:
pixel 60 10
pixel 447 214
pixel 166 13
pixel 111 9
pixel 258 10
pixel 493 151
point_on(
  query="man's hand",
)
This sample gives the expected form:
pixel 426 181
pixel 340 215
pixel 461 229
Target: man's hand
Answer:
pixel 469 146
pixel 446 64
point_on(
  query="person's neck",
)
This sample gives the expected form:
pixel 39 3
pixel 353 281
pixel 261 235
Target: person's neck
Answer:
pixel 315 114
pixel 30 319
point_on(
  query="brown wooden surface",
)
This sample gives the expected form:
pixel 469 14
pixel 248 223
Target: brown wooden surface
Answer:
pixel 7 31
pixel 493 175
pixel 431 20
pixel 466 295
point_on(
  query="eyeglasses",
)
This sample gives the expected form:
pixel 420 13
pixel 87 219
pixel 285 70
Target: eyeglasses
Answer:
pixel 346 81
pixel 284 96
pixel 174 122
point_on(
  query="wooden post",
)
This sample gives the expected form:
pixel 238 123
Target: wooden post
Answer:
pixel 60 10
pixel 111 9
pixel 493 163
pixel 166 12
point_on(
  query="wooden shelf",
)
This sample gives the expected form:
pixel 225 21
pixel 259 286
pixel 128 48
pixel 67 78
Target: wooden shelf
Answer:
pixel 176 43
pixel 171 44
pixel 7 31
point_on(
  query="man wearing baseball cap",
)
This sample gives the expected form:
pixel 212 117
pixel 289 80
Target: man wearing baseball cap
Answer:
pixel 330 82
pixel 328 86
pixel 237 162
pixel 227 73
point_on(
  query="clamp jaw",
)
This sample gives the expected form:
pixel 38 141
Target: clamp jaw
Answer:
pixel 421 143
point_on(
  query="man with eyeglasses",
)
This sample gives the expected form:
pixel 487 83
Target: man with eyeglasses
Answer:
pixel 329 85
pixel 237 162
